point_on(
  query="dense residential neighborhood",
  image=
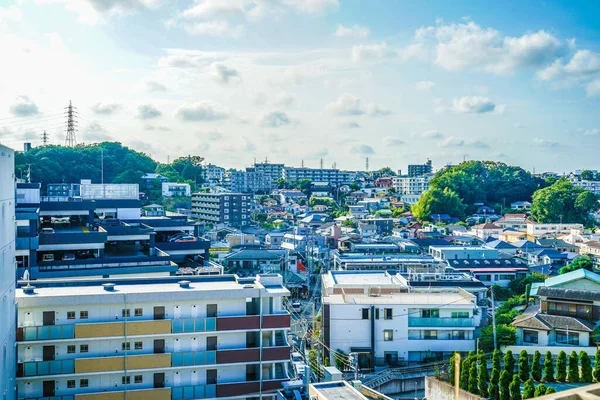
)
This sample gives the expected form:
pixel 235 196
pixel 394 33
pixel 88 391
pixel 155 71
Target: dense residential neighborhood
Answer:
pixel 335 275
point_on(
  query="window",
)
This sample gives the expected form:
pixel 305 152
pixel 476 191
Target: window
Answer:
pixel 365 313
pixel 138 345
pixel 430 313
pixel 71 349
pixel 387 313
pixel 125 380
pixel 83 315
pixel 138 379
pixel 138 312
pixel 430 335
pixel 71 384
pixel 459 335
pixel 126 312
pixel 571 338
pixel 530 336
pixel 83 383
pixel 126 346
pixel 460 314
pixel 506 277
pixel 486 277
pixel 388 335
pixel 70 314
pixel 377 313
pixel 83 348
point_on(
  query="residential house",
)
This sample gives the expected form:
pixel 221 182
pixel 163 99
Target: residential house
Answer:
pixel 591 248
pixel 520 205
pixel 274 239
pixel 150 178
pixel 560 245
pixel 250 261
pixel 291 196
pixel 511 235
pixel 170 189
pixel 535 229
pixel 502 247
pixel 483 231
pixel 517 222
pixel 384 182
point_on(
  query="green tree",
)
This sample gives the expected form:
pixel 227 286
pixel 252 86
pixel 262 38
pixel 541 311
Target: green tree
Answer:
pixel 563 201
pixel 283 184
pixel 519 285
pixel 494 390
pixel 587 175
pixel 561 366
pixel 452 372
pixel 528 389
pixel 573 374
pixel 582 262
pixel 473 378
pixel 550 390
pixel 509 362
pixel 483 374
pixel 540 390
pixel 438 201
pixel 586 367
pixel 304 186
pixel 536 367
pixel 340 358
pixel 496 359
pixel 465 368
pixel 548 367
pixel 596 372
pixel 505 379
pixel 524 366
pixel 515 388
pixel 387 171
pixel 349 223
pixel 506 336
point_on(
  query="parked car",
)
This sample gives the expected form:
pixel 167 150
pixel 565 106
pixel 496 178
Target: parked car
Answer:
pixel 186 239
pixel 296 307
pixel 47 230
pixel 48 257
pixel 298 363
pixel 68 257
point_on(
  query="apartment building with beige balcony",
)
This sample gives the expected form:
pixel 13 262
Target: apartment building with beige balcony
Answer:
pixel 152 338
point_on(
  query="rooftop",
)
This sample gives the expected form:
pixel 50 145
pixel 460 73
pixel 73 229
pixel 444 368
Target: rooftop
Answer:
pixel 415 298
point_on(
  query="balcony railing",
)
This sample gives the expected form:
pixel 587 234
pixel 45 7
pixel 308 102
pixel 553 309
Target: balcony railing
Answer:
pixel 188 358
pixel 193 325
pixel 193 392
pixel 50 332
pixel 68 397
pixel 441 322
pixel 53 367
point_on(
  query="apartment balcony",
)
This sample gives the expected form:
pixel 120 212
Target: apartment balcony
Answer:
pixel 37 368
pixel 26 243
pixel 213 357
pixel 441 322
pixel 51 332
pixel 276 353
pixel 139 394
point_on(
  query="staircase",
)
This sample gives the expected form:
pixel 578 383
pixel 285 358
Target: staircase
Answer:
pixel 280 372
pixel 280 339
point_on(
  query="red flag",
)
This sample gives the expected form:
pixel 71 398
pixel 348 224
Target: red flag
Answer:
pixel 300 266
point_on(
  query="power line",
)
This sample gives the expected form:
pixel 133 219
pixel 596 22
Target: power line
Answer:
pixel 44 139
pixel 70 140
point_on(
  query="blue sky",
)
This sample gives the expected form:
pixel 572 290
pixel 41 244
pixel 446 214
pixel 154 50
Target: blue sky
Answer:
pixel 293 80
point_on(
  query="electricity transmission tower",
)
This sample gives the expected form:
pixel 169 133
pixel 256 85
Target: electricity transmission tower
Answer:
pixel 70 141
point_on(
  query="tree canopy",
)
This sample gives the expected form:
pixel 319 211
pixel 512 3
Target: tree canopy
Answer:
pixel 582 262
pixel 563 201
pixel 438 201
pixel 387 171
pixel 488 182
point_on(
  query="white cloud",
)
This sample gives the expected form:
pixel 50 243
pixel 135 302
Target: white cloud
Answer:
pixel 393 141
pixel 214 28
pixel 275 119
pixel 362 149
pixel 10 13
pixel 452 142
pixel 201 111
pixel 478 144
pixel 468 45
pixel 424 86
pixel 23 106
pixel 95 11
pixel 284 100
pixel 148 111
pixel 351 125
pixel 545 143
pixel 153 86
pixel 371 52
pixel 354 31
pixel 224 74
pixel 592 132
pixel 582 69
pixel 432 134
pixel 474 104
pixel 349 105
pixel 105 108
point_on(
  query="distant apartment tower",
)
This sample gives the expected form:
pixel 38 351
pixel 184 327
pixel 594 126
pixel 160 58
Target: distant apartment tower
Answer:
pixel 414 185
pixel 272 172
pixel 213 173
pixel 221 208
pixel 156 338
pixel 7 274
pixel 420 169
pixel 333 176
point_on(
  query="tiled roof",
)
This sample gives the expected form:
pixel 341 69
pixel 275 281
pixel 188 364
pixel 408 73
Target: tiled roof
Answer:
pixel 569 294
pixel 548 322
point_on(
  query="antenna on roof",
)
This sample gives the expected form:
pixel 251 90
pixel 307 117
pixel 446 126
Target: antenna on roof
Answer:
pixel 321 163
pixel 302 163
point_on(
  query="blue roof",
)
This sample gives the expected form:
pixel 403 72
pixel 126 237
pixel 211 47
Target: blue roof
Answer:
pixel 499 244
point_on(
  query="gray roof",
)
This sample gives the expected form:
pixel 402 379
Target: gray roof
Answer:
pixel 569 294
pixel 548 322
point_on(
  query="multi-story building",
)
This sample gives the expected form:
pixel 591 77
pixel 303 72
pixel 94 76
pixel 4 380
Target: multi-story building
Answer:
pixel 386 321
pixel 332 176
pixel 7 273
pixel 155 338
pixel 415 185
pixel 272 172
pixel 221 208
pixel 170 189
pixel 592 186
pixel 535 230
pixel 420 169
pixel 213 173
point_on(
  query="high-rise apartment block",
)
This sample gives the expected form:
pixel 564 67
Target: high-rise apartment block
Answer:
pixel 152 338
pixel 420 169
pixel 221 208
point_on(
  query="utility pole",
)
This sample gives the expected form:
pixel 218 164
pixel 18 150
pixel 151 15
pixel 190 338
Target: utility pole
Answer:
pixel 367 164
pixel 44 139
pixel 494 318
pixel 302 163
pixel 102 166
pixel 457 376
pixel 334 165
pixel 71 125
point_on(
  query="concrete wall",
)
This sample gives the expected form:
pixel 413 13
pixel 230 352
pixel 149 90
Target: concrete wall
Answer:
pixel 438 390
pixel 7 274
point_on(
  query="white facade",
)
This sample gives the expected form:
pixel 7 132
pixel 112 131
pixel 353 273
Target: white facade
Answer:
pixel 333 176
pixel 7 274
pixel 215 333
pixel 98 191
pixel 458 252
pixel 592 186
pixel 213 173
pixel 411 184
pixel 534 229
pixel 170 189
pixel 374 312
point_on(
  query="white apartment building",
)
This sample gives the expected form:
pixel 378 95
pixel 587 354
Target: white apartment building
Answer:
pixel 171 189
pixel 534 229
pixel 463 252
pixel 7 274
pixel 331 175
pixel 155 338
pixel 387 322
pixel 213 173
pixel 415 185
pixel 592 186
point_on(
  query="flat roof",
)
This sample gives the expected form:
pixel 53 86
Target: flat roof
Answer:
pixel 414 298
pixel 338 391
pixel 364 278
